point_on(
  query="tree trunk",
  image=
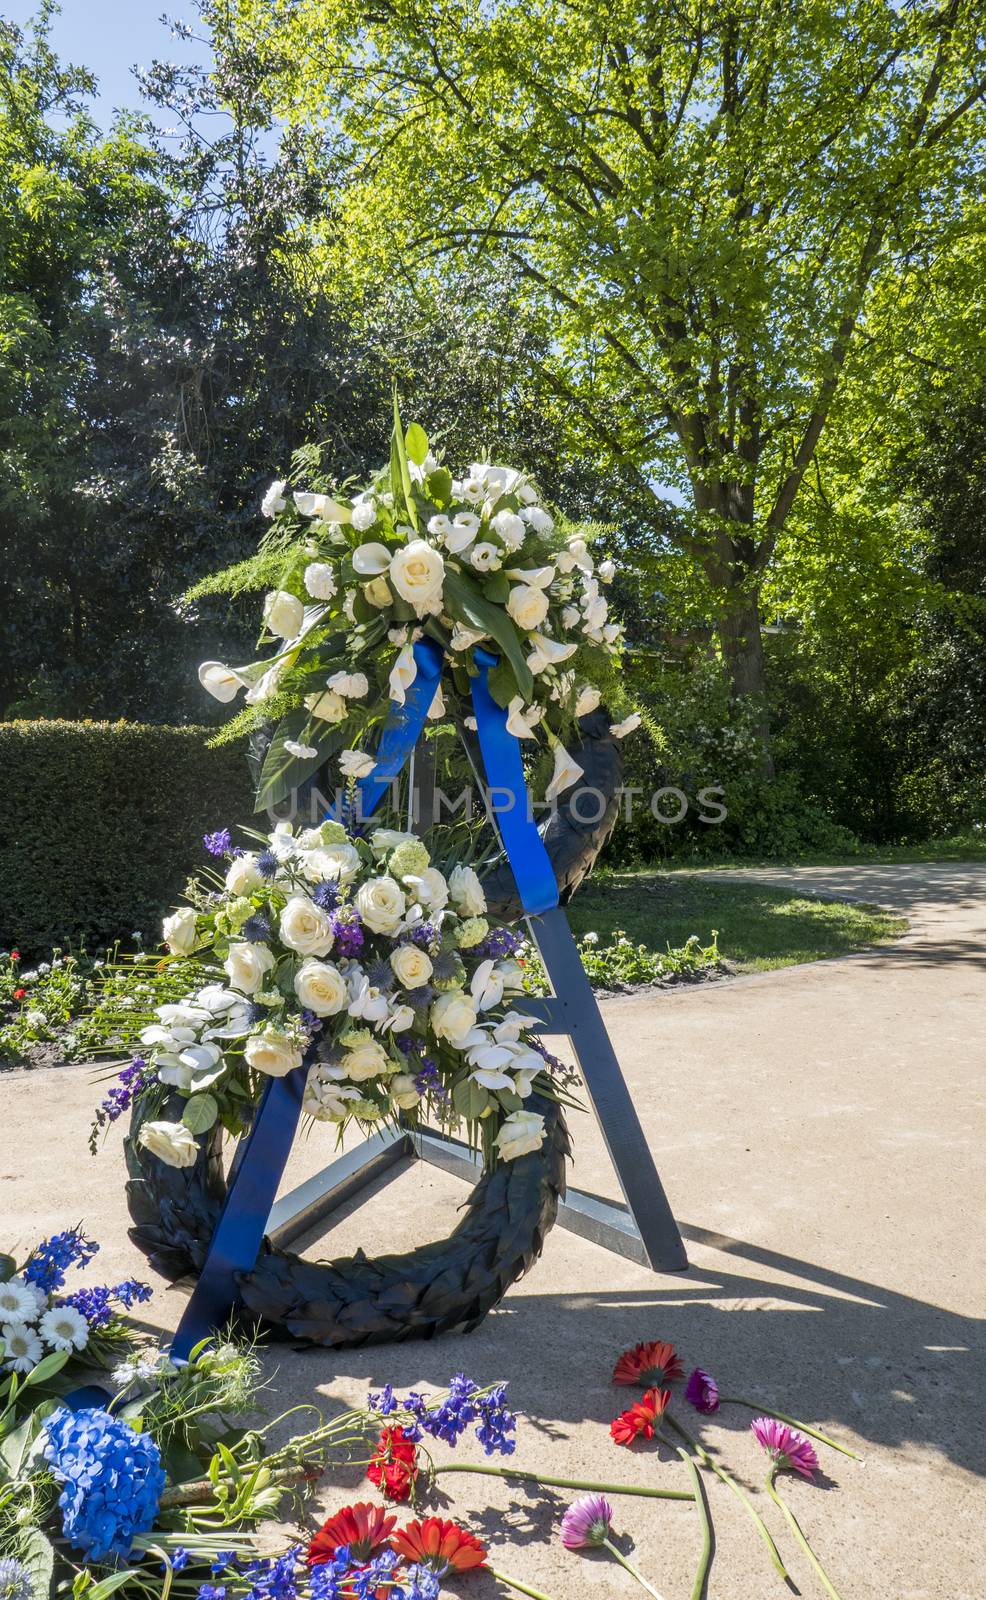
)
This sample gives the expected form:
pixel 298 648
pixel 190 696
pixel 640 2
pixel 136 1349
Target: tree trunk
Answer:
pixel 741 642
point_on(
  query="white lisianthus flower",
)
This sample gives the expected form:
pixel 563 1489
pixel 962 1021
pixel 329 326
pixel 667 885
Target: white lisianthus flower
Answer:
pixel 521 722
pixel 528 606
pixel 381 904
pixel 439 526
pixel 576 555
pixel 274 500
pixel 607 571
pixel 588 700
pixel 567 771
pixel 338 861
pixel 366 1060
pixel 243 875
pixel 171 1142
pixel 417 572
pixel 472 490
pixel 619 730
pixel 466 892
pixel 510 528
pixel 220 681
pixel 305 927
pixel 463 530
pixel 350 685
pixel 320 580
pixel 402 1091
pixel 403 674
pixel 301 752
pixel 178 931
pixel 571 616
pixel 18 1302
pixel 537 518
pixel 247 965
pixel 430 889
pixel 453 1016
pixel 521 1133
pixel 371 560
pixel 321 988
pixel 284 614
pixel 364 515
pixel 272 1052
pixel 412 967
pixel 486 557
pixel 327 706
pixel 356 764
pixel 64 1328
pixel 22 1347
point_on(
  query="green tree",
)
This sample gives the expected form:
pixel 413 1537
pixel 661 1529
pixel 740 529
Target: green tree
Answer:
pixel 699 201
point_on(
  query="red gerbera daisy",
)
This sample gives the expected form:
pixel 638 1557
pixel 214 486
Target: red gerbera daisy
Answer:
pixel 394 1464
pixel 641 1421
pixel 440 1546
pixel 363 1527
pixel 653 1365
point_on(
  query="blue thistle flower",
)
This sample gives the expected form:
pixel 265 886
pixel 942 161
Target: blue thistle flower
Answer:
pixel 256 928
pixel 326 895
pixel 267 864
pixel 15 1580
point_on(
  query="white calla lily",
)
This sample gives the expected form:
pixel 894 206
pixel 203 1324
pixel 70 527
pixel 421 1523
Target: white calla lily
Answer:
pixel 403 674
pixel 371 560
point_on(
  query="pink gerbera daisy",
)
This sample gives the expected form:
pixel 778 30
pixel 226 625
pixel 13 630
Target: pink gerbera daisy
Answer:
pixel 587 1521
pixel 788 1448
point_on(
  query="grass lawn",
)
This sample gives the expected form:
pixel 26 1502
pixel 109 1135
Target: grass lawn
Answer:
pixel 758 927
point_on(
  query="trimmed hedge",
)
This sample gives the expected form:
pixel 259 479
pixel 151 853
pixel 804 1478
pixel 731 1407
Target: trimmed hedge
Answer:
pixel 101 825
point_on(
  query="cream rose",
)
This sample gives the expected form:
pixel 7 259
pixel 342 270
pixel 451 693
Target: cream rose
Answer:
pixel 305 927
pixel 339 862
pixel 321 988
pixel 366 1061
pixel 377 592
pixel 528 606
pixel 412 967
pixel 273 1052
pixel 178 931
pixel 453 1016
pixel 381 904
pixel 327 706
pixel 466 892
pixel 171 1142
pixel 403 1093
pixel 417 572
pixel 522 1132
pixel 430 889
pixel 283 614
pixel 247 965
pixel 244 875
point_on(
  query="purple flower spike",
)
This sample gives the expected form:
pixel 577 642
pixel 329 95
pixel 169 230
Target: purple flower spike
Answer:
pixel 702 1392
pixel 786 1446
pixel 586 1522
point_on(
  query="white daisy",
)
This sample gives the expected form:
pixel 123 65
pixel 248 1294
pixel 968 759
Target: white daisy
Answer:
pixel 22 1347
pixel 64 1328
pixel 19 1301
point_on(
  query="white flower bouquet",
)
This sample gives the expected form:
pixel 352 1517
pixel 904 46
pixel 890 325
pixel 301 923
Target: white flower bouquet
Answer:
pixel 465 559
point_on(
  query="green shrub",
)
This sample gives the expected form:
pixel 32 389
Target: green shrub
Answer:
pixel 102 824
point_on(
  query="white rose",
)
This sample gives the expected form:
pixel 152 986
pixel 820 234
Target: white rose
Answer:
pixel 274 500
pixel 272 1052
pixel 619 730
pixel 321 988
pixel 485 557
pixel 247 965
pixel 431 889
pixel 320 580
pixel 467 892
pixel 522 1132
pixel 283 614
pixel 243 875
pixel 510 527
pixel 178 931
pixel 356 764
pixel 538 519
pixel 588 700
pixel 327 706
pixel 412 966
pixel 366 1061
pixel 403 1093
pixel 607 571
pixel 171 1142
pixel 453 1016
pixel 364 515
pixel 417 572
pixel 528 606
pixel 339 862
pixel 377 593
pixel 380 902
pixel 305 927
pixel 351 685
pixel 220 681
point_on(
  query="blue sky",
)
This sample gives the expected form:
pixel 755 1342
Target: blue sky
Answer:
pixel 109 37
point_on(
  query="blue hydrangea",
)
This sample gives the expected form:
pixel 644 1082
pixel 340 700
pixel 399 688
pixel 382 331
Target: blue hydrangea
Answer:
pixel 15 1580
pixel 112 1479
pixel 53 1257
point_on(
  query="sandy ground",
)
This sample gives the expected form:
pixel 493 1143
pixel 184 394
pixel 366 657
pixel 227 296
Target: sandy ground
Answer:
pixel 819 1131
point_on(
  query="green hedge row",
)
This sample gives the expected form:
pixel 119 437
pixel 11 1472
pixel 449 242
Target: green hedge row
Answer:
pixel 101 824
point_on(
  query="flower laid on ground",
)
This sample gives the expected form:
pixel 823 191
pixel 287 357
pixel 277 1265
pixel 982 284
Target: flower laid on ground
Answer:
pixel 394 1464
pixel 439 1546
pixel 468 558
pixel 588 1524
pixel 653 1365
pixel 641 1420
pixel 39 1320
pixel 112 1477
pixel 361 1529
pixel 789 1450
pixel 702 1392
pixel 365 962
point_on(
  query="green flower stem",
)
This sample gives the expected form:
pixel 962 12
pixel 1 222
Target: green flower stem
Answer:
pixel 567 1483
pixel 765 1411
pixel 705 1559
pixel 522 1588
pixel 795 1528
pixel 629 1567
pixel 730 1482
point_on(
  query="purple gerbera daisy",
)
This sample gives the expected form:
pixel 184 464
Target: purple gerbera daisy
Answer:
pixel 702 1391
pixel 786 1446
pixel 586 1522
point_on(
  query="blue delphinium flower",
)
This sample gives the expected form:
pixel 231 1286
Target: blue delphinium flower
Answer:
pixel 15 1580
pixel 326 1581
pixel 365 1581
pixel 450 1420
pixel 274 1579
pixel 179 1559
pixel 425 1585
pixel 217 844
pixel 53 1257
pixel 212 1591
pixel 384 1402
pixel 96 1303
pixel 131 1292
pixel 495 1423
pixel 113 1480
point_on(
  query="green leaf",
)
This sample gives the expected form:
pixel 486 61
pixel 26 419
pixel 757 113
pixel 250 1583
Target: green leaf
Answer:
pixel 8 1266
pixel 497 588
pixel 416 444
pixel 200 1113
pixel 470 1099
pixel 397 448
pixel 503 683
pixel 281 771
pixel 38 1556
pixel 470 607
pixel 17 1444
pixel 47 1367
pixel 107 1586
pixel 439 485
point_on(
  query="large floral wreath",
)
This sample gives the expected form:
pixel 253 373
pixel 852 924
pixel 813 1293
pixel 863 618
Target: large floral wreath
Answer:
pixel 361 574
pixel 364 958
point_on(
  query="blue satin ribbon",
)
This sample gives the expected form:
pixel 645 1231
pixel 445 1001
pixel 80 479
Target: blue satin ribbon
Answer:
pixel 254 1184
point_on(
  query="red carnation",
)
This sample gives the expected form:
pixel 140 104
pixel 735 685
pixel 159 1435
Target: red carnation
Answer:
pixel 641 1420
pixel 15 955
pixel 653 1365
pixel 363 1527
pixel 19 994
pixel 394 1464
